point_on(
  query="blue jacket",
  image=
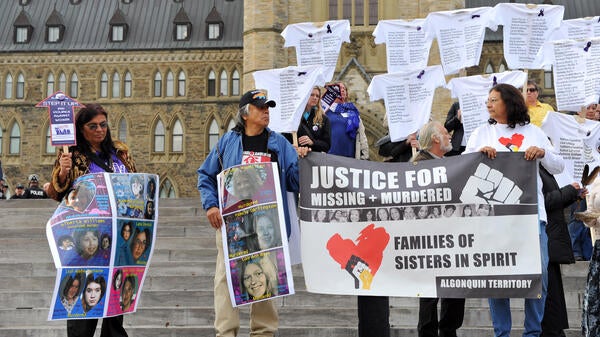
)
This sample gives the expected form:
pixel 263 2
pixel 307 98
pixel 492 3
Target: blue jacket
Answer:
pixel 229 149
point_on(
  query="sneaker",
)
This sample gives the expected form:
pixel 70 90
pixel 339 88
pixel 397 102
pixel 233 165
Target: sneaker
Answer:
pixel 579 258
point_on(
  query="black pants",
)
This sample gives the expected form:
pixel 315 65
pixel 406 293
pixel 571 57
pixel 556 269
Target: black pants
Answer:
pixel 452 314
pixel 555 311
pixel 373 316
pixel 111 327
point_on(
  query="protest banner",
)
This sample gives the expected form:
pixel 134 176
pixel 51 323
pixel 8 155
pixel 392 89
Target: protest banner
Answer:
pixel 257 260
pixel 464 226
pixel 102 236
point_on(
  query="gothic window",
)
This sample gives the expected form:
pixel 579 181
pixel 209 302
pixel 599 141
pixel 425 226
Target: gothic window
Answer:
pixel 74 85
pixel 104 85
pixel 212 85
pixel 224 84
pixel 181 84
pixel 167 190
pixel 49 148
pixel 15 139
pixel 213 134
pixel 177 137
pixel 116 85
pixel 123 130
pixel 235 83
pixel 159 137
pixel 20 86
pixel 170 84
pixel 157 84
pixel 8 86
pixel 62 82
pixel 127 86
pixel 50 84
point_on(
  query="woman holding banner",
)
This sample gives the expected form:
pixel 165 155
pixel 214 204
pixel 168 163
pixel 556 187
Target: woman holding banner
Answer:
pixel 95 152
pixel 509 120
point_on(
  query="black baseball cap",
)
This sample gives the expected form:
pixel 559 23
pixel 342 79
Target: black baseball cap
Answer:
pixel 20 186
pixel 257 98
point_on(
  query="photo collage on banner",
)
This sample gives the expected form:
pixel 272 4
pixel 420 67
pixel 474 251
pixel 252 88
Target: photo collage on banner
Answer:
pixel 102 236
pixel 257 259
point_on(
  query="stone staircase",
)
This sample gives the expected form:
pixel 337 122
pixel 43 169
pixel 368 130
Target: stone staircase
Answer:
pixel 178 297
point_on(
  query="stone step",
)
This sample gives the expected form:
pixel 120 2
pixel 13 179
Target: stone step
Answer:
pixel 308 331
pixel 203 315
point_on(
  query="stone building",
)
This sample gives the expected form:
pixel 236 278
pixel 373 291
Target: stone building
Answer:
pixel 170 72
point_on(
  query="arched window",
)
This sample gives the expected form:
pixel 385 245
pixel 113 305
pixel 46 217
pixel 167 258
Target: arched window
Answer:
pixel 224 85
pixel 159 137
pixel 20 86
pixel 74 85
pixel 50 84
pixel 123 130
pixel 167 190
pixel 15 139
pixel 62 82
pixel 127 85
pixel 231 125
pixel 212 85
pixel 157 84
pixel 103 85
pixel 489 69
pixel 116 85
pixel 8 89
pixel 177 137
pixel 170 84
pixel 181 84
pixel 213 134
pixel 49 148
pixel 235 83
pixel 501 67
pixel 548 80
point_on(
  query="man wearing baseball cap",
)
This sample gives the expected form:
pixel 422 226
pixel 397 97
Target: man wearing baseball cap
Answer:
pixel 19 192
pixel 250 141
pixel 34 191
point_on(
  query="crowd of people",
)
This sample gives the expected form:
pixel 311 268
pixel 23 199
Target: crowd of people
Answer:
pixel 339 130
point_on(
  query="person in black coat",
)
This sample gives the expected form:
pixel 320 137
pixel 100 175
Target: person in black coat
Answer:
pixel 454 124
pixel 559 250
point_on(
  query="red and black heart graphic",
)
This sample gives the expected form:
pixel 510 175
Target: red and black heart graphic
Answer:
pixel 513 143
pixel 369 247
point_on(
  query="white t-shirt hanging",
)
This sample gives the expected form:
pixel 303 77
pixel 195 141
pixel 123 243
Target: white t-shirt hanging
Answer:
pixel 406 45
pixel 318 45
pixel 577 143
pixel 408 97
pixel 472 93
pixel 290 88
pixel 526 27
pixel 576 69
pixel 459 35
pixel 580 28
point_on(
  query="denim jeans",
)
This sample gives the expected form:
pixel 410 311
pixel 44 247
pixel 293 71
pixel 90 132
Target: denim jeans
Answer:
pixel 581 241
pixel 534 308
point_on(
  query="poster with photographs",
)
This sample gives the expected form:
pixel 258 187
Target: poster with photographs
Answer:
pixel 102 237
pixel 256 250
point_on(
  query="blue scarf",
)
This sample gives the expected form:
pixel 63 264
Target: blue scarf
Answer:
pixel 353 119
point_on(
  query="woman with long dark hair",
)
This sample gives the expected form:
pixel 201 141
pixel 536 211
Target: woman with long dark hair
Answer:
pixel 95 152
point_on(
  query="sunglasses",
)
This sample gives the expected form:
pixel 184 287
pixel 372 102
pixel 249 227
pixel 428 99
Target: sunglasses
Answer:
pixel 94 126
pixel 531 89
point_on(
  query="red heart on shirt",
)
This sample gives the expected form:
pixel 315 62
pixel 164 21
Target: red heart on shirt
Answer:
pixel 513 143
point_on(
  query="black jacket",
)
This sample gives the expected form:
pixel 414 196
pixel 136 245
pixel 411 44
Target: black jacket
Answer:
pixel 555 200
pixel 454 125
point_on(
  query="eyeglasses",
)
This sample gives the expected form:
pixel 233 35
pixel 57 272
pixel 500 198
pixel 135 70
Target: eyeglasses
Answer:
pixel 531 89
pixel 492 101
pixel 94 126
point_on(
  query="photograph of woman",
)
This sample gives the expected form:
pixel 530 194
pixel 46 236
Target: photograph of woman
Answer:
pixel 128 292
pixel 95 288
pixel 267 233
pixel 71 291
pixel 259 279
